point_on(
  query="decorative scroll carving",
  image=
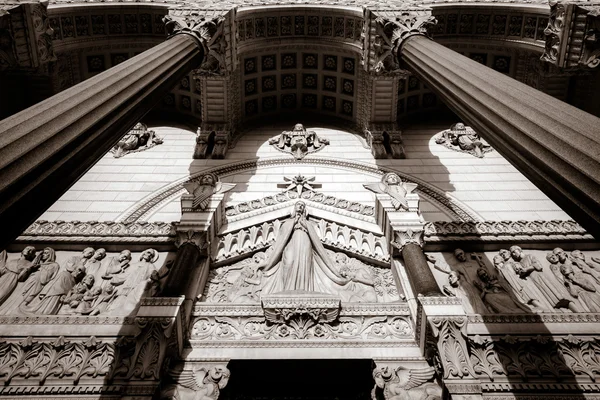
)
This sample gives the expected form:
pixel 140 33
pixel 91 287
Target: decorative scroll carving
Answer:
pixel 406 384
pixel 572 36
pixel 212 141
pixel 203 188
pixel 202 382
pixel 452 347
pixel 136 140
pixel 355 241
pixel 243 282
pixel 385 141
pixel 282 308
pixel 232 329
pixel 540 356
pixel 394 32
pixel 61 358
pixel 463 139
pixel 392 185
pixel 298 142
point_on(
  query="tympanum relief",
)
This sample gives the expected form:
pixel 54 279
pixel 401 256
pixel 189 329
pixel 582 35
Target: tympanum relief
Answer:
pixel 297 261
pixel 90 282
pixel 464 139
pixel 521 281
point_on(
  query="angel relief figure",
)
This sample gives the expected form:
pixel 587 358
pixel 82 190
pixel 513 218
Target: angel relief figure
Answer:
pixel 392 185
pixel 200 383
pixel 299 142
pixel 203 188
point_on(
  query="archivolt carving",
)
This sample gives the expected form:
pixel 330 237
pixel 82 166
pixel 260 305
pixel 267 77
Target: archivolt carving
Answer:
pixel 212 328
pixel 457 210
pixel 340 237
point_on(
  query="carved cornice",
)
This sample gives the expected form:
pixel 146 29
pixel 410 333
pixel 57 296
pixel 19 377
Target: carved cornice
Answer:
pixel 504 231
pixel 93 231
pixel 545 318
pixel 357 309
pixel 573 35
pixel 64 320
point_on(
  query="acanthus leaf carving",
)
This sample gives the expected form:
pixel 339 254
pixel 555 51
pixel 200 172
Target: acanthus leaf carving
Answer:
pixel 204 30
pixel 452 347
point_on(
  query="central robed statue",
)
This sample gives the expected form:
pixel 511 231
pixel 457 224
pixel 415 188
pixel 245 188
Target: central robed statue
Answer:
pixel 298 260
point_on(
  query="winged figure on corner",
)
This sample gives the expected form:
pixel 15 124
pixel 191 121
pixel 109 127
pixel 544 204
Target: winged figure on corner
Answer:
pixel 392 185
pixel 406 384
pixel 199 383
pixel 204 187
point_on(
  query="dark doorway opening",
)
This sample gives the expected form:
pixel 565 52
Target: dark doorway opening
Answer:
pixel 299 380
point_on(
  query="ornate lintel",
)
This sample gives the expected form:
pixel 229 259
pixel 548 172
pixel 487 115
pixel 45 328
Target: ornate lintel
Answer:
pixel 573 35
pixel 393 32
pixel 408 236
pixel 204 30
pixel 282 307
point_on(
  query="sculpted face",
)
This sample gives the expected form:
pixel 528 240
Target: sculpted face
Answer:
pixel 460 255
pixel 88 252
pixel 460 126
pixel 46 254
pixel 99 254
pixel 578 254
pixel 207 179
pixel 516 252
pixel 125 255
pixel 28 253
pixel 298 127
pixel 483 275
pixel 88 280
pixel 498 261
pixel 78 273
pixel 147 255
pixel 552 258
pixel 453 278
pixel 560 253
pixel 299 208
pixel 505 254
pixel 393 179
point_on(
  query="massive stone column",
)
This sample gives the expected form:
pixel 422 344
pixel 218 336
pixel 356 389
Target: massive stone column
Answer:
pixel 46 148
pixel 556 146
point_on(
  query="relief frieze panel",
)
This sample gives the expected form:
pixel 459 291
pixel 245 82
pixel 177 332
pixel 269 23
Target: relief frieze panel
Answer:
pixel 92 282
pixel 518 281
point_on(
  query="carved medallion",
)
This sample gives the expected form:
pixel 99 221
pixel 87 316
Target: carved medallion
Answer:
pixel 298 142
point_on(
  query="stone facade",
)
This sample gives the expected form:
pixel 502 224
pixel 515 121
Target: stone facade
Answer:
pixel 299 196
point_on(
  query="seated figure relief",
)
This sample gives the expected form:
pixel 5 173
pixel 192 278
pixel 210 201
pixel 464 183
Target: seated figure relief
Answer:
pixel 463 138
pixel 86 284
pixel 297 261
pixel 137 139
pixel 517 281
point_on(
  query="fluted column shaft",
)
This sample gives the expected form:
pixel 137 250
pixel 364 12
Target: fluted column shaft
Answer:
pixel 46 148
pixel 553 144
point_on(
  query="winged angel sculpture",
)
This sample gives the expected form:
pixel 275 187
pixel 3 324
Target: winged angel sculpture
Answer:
pixel 392 185
pixel 199 383
pixel 406 384
pixel 205 187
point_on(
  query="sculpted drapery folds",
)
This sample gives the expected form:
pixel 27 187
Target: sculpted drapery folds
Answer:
pixel 13 271
pixel 298 260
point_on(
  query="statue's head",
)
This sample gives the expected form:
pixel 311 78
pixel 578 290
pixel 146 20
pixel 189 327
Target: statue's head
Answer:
pixel 483 274
pixel 552 258
pixel 566 270
pixel 48 255
pixel 149 255
pixel 88 280
pixel 516 252
pixel 300 208
pixel 561 254
pixel 28 253
pixel 453 278
pixel 99 254
pixel 505 254
pixel 88 252
pixel 208 179
pixel 460 255
pixel 299 127
pixel 578 254
pixel 498 261
pixel 459 126
pixel 391 178
pixel 125 255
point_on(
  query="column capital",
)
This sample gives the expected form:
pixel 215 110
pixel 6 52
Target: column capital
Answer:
pixel 408 236
pixel 204 30
pixel 573 35
pixel 195 237
pixel 396 30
